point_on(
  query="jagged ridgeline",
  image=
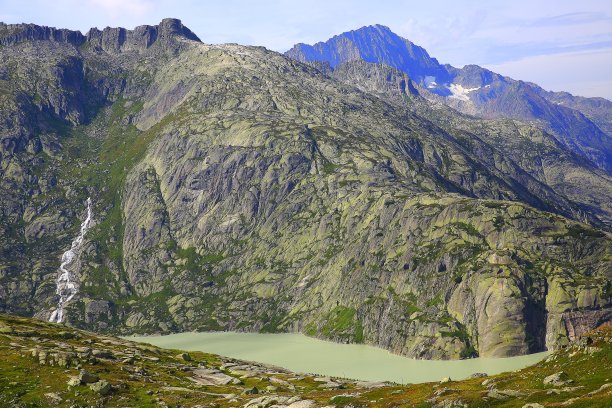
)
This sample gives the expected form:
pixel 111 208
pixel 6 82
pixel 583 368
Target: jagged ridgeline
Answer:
pixel 235 188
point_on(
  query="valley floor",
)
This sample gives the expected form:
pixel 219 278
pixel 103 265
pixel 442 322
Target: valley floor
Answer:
pixel 45 364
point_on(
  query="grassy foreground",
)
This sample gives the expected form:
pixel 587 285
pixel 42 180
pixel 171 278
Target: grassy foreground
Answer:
pixel 44 364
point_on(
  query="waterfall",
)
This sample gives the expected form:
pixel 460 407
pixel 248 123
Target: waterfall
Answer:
pixel 67 284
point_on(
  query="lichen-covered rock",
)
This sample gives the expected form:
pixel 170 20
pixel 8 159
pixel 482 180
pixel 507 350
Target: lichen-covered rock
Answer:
pixel 102 387
pixel 85 377
pixel 235 189
pixel 560 378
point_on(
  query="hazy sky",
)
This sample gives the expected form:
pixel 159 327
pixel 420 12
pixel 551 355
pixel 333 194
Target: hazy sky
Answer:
pixel 559 44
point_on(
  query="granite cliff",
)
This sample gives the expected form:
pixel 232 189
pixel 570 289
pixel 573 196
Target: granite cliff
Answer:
pixel 238 189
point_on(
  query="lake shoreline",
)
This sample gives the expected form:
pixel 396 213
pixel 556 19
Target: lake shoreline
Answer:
pixel 302 354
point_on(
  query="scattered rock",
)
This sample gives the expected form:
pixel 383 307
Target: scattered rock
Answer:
pixel 600 389
pixel 560 378
pixel 503 394
pixel 479 375
pixel 331 385
pixel 74 381
pixel 445 380
pixel 102 387
pixel 184 357
pixel 267 401
pixel 569 401
pixel 205 376
pixel 487 383
pixel 495 394
pixel 103 354
pixel 371 384
pixel 53 398
pixel 302 404
pixel 85 377
pixel 251 391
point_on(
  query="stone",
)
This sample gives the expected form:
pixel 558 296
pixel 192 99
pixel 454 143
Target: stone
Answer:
pixel 267 401
pixel 251 391
pixel 496 394
pixel 600 389
pixel 102 387
pixel 533 405
pixel 302 404
pixel 445 380
pixel 53 398
pixel 560 378
pixel 479 375
pixel 74 381
pixel 106 354
pixel 85 377
pixel 184 357
pixel 205 376
pixel 487 382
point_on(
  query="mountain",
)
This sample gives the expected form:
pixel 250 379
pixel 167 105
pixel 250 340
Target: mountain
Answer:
pixel 234 188
pixel 46 364
pixel 582 124
pixel 537 152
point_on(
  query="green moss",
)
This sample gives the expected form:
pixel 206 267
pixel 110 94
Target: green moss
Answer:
pixel 580 231
pixel 341 323
pixel 437 300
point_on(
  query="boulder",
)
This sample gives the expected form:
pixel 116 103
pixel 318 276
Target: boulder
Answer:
pixel 85 377
pixel 479 375
pixel 251 391
pixel 74 381
pixel 560 378
pixel 102 387
pixel 184 357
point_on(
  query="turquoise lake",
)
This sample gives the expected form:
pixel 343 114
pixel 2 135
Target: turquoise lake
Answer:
pixel 303 354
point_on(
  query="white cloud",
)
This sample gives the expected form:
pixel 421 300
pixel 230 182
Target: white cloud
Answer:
pixel 115 8
pixel 585 73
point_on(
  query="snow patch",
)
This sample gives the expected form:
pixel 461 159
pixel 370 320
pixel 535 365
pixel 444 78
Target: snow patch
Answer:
pixel 430 82
pixel 461 93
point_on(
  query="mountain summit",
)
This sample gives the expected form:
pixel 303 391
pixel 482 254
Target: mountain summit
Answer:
pixel 110 39
pixel 582 124
pixel 375 44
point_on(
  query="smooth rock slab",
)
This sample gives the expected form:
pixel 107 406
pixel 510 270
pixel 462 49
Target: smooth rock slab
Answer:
pixel 205 376
pixel 560 378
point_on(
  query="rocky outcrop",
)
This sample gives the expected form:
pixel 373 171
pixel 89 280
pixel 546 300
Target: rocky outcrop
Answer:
pixel 118 39
pixel 110 39
pixel 11 34
pixel 237 189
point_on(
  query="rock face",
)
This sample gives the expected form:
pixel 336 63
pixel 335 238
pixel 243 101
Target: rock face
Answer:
pixel 581 124
pixel 237 189
pixel 111 40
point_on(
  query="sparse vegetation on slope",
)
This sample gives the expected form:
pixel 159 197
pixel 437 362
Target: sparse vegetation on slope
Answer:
pixel 45 364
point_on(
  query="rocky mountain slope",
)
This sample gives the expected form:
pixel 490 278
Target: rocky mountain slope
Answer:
pixel 235 188
pixel 536 151
pixel 582 124
pixel 46 364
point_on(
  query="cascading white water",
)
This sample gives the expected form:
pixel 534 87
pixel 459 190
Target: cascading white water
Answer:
pixel 67 285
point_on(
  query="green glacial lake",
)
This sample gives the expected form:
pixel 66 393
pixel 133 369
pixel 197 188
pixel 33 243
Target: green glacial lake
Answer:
pixel 303 354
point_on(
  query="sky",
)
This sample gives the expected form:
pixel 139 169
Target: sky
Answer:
pixel 558 44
